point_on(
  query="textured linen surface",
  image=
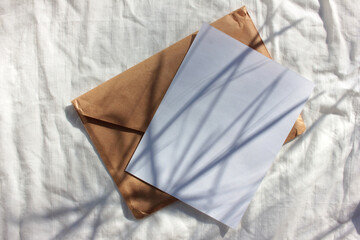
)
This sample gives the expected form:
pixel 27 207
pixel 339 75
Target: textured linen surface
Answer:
pixel 53 184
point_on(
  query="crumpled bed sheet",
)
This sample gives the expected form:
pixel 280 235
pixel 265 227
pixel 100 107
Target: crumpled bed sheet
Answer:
pixel 53 184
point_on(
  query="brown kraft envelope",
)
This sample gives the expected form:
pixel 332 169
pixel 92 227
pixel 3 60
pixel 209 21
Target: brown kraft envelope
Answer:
pixel 116 113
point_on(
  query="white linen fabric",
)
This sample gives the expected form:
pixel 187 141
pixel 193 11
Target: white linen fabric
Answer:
pixel 53 184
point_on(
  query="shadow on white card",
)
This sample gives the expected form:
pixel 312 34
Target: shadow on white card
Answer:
pixel 220 125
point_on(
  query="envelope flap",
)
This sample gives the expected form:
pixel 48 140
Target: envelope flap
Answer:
pixel 131 98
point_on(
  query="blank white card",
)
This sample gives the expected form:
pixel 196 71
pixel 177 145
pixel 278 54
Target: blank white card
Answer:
pixel 220 125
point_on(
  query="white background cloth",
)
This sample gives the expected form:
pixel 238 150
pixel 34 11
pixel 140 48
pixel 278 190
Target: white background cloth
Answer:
pixel 53 184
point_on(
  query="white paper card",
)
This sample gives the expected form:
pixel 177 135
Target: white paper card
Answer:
pixel 220 125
